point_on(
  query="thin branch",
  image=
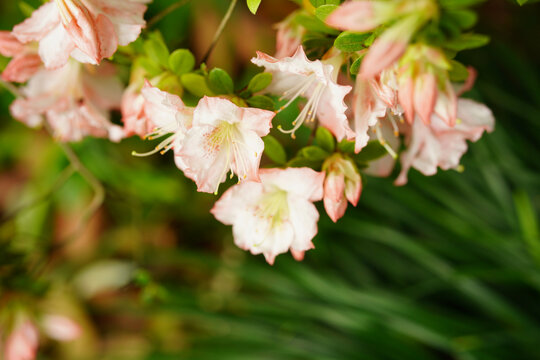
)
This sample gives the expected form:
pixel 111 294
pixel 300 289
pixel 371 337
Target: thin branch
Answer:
pixel 161 15
pixel 97 187
pixel 219 31
pixel 62 179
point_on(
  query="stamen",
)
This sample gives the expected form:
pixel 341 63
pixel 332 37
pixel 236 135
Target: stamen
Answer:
pixel 384 143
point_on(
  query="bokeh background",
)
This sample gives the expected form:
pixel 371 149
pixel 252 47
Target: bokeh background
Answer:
pixel 447 267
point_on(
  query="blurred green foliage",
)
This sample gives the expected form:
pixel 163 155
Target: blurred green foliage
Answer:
pixel 447 267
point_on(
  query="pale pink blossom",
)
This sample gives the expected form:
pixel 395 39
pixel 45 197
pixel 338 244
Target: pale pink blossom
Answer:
pixel 405 17
pixel 440 145
pixel 288 38
pixel 223 138
pixel 87 30
pixel 25 61
pixel 75 100
pixel 342 183
pixel 274 215
pixel 361 16
pixel 170 120
pixel 133 115
pixel 22 343
pixel 297 76
pixel 61 328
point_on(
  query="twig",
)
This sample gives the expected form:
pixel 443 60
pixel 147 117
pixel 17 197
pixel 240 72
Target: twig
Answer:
pixel 76 164
pixel 64 176
pixel 161 15
pixel 219 31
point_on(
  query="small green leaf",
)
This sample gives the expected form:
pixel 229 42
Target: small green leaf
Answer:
pixel 325 139
pixel 372 151
pixel 346 146
pixel 314 153
pixel 458 72
pixel 317 3
pixel 220 82
pixel 261 102
pixel 323 11
pixel 253 5
pixel 299 162
pixel 355 66
pixel 274 150
pixel 196 84
pixel 351 42
pixel 260 82
pixel 181 61
pixel 157 51
pixel 467 41
pixel 152 68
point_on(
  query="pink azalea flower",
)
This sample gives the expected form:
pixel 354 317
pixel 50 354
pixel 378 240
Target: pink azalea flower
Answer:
pixel 223 138
pixel 288 39
pixel 168 117
pixel 133 115
pixel 342 183
pixel 274 215
pixel 297 76
pixel 74 99
pixel 22 343
pixel 440 145
pixel 25 63
pixel 361 16
pixel 61 328
pixel 87 30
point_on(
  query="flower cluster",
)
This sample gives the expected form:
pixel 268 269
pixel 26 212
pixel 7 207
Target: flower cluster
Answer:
pixel 384 88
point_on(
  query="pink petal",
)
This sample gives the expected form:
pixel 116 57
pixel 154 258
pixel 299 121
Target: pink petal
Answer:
pixel 22 68
pixel 354 16
pixel 42 21
pixel 61 328
pixel 425 96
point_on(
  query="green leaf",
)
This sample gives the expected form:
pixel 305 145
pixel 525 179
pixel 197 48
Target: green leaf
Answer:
pixel 261 102
pixel 311 23
pixel 346 146
pixel 355 66
pixel 26 8
pixel 196 84
pixel 260 82
pixel 300 161
pixel 274 150
pixel 467 41
pixel 157 51
pixel 325 139
pixel 458 72
pixel 220 82
pixel 372 151
pixel 317 3
pixel 323 11
pixel 152 68
pixel 253 5
pixel 314 153
pixel 458 4
pixel 181 61
pixel 351 42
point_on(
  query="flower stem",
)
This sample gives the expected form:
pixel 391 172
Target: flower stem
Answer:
pixel 161 15
pixel 219 31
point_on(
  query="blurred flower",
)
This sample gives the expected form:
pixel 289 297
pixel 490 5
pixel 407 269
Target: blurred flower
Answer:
pixel 61 328
pixel 223 138
pixel 75 100
pixel 440 145
pixel 87 30
pixel 297 76
pixel 25 63
pixel 424 85
pixel 288 38
pixel 342 183
pixel 406 18
pixel 22 343
pixel 274 215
